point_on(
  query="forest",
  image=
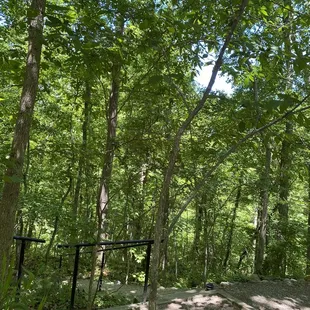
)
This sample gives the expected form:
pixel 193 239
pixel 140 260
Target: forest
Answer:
pixel 106 135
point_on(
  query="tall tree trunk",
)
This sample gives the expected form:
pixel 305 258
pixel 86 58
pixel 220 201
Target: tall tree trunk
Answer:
pixel 20 219
pixel 284 191
pixel 14 172
pixel 285 164
pixel 308 235
pixel 164 194
pixel 103 193
pixel 198 227
pixel 263 214
pixel 232 226
pixel 279 267
pixel 82 156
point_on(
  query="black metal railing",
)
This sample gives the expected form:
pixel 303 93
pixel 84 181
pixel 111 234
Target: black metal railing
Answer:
pixel 22 256
pixel 126 243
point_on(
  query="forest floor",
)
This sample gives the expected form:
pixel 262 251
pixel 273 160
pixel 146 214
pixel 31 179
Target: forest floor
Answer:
pixel 262 295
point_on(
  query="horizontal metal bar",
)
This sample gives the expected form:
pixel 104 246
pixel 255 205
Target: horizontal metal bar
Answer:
pixel 123 247
pixel 111 249
pixel 147 241
pixel 29 239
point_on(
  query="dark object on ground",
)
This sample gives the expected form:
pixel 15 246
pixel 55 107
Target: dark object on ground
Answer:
pixel 209 286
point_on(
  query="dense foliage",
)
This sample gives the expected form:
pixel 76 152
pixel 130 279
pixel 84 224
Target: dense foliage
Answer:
pixel 117 80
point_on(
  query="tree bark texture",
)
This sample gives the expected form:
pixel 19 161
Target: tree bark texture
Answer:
pixel 14 172
pixel 263 214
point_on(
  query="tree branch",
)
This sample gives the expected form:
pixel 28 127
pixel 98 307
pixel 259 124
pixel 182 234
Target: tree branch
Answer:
pixel 230 151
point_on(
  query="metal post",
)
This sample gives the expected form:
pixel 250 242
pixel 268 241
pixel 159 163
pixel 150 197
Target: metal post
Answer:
pixel 21 262
pixel 101 272
pixel 75 273
pixel 20 269
pixel 147 268
pixel 21 259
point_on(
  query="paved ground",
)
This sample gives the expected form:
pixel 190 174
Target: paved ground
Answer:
pixel 169 298
pixel 280 295
pixel 273 295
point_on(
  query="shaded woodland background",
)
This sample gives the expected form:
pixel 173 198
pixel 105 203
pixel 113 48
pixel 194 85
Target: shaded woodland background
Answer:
pixel 116 82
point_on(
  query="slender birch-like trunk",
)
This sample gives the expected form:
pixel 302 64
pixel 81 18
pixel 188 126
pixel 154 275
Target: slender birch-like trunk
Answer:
pixel 14 173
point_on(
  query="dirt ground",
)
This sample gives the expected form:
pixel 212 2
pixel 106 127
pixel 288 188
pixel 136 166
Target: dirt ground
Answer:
pixel 262 295
pixel 200 301
pixel 275 295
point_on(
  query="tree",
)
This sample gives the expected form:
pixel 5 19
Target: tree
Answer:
pixel 164 194
pixel 14 172
pixel 263 213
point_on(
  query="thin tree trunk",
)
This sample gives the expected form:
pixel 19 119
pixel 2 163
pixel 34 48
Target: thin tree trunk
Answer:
pixel 82 157
pixel 263 214
pixel 20 220
pixel 56 222
pixel 164 194
pixel 198 227
pixel 308 235
pixel 14 172
pixel 206 240
pixel 283 207
pixel 232 226
pixel 103 193
pixel 285 164
pixel 103 196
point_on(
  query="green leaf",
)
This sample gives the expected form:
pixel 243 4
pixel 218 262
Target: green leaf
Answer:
pixel 171 29
pixel 54 7
pixel 273 104
pixel 17 305
pixel 43 301
pixel 144 25
pixel 306 120
pixel 289 98
pixel 155 79
pixel 241 126
pixel 263 10
pixel 90 45
pixel 54 21
pixel 300 64
pixel 300 119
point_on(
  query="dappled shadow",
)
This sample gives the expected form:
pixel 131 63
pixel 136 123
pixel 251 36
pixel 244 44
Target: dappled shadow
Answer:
pixel 273 295
pixel 199 301
pixel 286 303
